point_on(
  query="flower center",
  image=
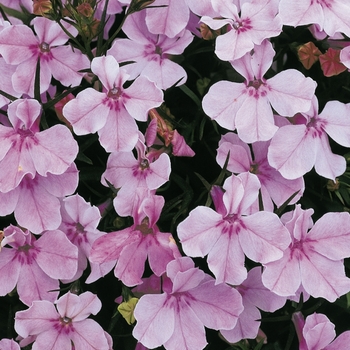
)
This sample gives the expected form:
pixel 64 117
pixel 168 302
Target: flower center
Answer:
pixel 65 320
pixel 114 93
pixel 44 47
pixel 144 164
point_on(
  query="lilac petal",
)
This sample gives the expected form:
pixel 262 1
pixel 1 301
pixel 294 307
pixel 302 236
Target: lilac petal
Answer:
pixel 107 70
pixel 336 18
pixel 251 185
pixel 88 334
pixel 189 332
pixel 318 331
pixel 58 260
pixel 328 164
pixel 51 154
pixel 263 237
pixel 35 284
pixel 199 232
pixel 330 236
pixel 226 259
pixel 234 194
pixel 187 280
pixel 99 270
pixel 159 172
pixel 340 343
pixel 36 319
pixel 177 45
pixel 15 42
pixel 345 56
pixel 289 99
pixel 336 124
pixel 52 340
pixel 49 31
pixel 292 151
pixel 7 71
pixel 210 299
pixel 120 132
pixel 10 269
pixel 8 201
pixel 239 160
pixel 181 264
pixel 9 344
pixel 24 113
pixel 142 96
pixel 155 315
pixel 87 113
pixel 323 278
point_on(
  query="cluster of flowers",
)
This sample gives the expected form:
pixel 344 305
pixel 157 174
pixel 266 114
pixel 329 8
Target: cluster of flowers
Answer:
pixel 279 137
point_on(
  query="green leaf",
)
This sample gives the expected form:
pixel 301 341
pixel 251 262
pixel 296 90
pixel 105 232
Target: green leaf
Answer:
pixel 190 94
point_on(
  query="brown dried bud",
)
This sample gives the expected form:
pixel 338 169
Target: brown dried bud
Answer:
pixel 42 7
pixel 85 10
pixel 308 54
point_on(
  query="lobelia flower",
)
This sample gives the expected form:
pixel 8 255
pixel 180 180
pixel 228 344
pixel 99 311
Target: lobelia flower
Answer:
pixel 150 53
pixel 247 106
pixel 255 296
pixel 65 328
pixel 274 187
pixel 317 332
pixel 135 177
pixel 113 111
pixel 314 259
pixel 35 200
pixel 28 151
pixel 79 223
pixel 191 300
pixel 258 20
pixel 129 248
pixel 228 233
pixel 35 265
pixel 19 46
pixel 295 149
pixel 332 16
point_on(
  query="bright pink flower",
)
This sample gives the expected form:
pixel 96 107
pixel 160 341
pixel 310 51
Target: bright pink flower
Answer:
pixel 79 223
pixel 35 266
pixel 332 16
pixel 130 248
pixel 65 328
pixel 258 20
pixel 190 301
pixel 19 46
pixel 317 332
pixel 113 111
pixel 228 233
pixel 150 53
pixel 274 187
pixel 135 177
pixel 295 149
pixel 28 151
pixel 35 201
pixel 255 296
pixel 314 259
pixel 247 106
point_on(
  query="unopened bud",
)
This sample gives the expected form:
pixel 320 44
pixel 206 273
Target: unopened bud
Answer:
pixel 42 7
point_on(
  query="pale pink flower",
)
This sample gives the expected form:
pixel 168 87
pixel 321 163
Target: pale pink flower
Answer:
pixel 258 20
pixel 9 344
pixel 274 188
pixel 317 332
pixel 113 111
pixel 247 106
pixel 130 248
pixel 295 149
pixel 19 46
pixel 191 300
pixel 150 53
pixel 314 259
pixel 35 200
pixel 255 296
pixel 332 16
pixel 345 56
pixel 65 328
pixel 228 234
pixel 7 71
pixel 35 265
pixel 28 151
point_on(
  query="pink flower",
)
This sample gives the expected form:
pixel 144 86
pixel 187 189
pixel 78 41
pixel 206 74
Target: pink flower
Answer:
pixel 255 296
pixel 35 266
pixel 112 112
pixel 9 344
pixel 295 149
pixel 28 151
pixel 228 233
pixel 150 53
pixel 274 187
pixel 129 248
pixel 247 106
pixel 258 20
pixel 317 332
pixel 6 83
pixel 314 259
pixel 332 16
pixel 65 328
pixel 19 46
pixel 190 301
pixel 345 56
